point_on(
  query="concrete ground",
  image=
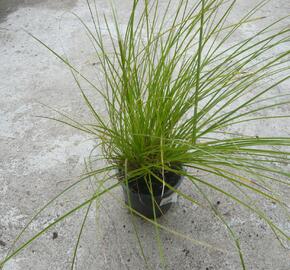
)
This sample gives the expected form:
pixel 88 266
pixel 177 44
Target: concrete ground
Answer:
pixel 39 158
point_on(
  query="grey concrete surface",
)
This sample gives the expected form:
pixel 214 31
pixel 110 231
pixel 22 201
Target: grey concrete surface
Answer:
pixel 39 158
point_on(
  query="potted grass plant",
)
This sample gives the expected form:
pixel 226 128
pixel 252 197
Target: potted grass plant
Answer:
pixel 179 96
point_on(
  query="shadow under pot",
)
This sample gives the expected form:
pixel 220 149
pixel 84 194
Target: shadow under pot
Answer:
pixel 137 193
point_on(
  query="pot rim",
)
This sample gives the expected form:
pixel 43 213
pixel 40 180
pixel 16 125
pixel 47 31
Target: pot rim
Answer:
pixel 167 192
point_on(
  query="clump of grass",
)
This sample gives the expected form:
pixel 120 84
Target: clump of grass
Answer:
pixel 174 88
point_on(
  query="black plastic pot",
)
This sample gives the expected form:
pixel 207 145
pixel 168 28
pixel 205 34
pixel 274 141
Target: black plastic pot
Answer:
pixel 141 199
